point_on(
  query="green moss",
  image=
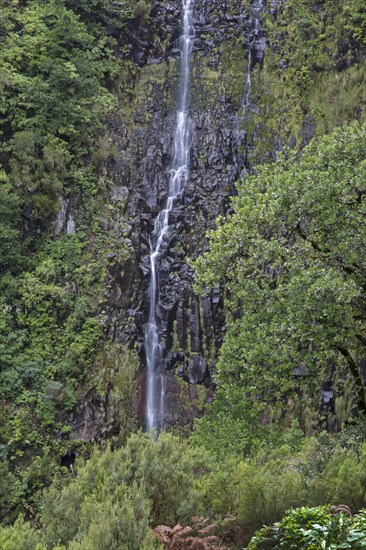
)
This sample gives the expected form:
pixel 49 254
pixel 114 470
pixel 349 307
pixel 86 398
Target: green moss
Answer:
pixel 136 94
pixel 192 399
pixel 225 80
pixel 313 75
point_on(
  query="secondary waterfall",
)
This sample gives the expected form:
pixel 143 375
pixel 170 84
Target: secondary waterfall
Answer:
pixel 241 122
pixel 154 348
pixel 256 8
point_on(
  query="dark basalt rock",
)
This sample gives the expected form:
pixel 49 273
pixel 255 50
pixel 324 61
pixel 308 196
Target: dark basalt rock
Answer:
pixel 141 175
pixel 197 370
pixel 308 129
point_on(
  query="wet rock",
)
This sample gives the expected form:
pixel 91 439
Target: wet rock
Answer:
pixel 145 266
pixel 327 396
pixel 195 328
pixel 141 174
pixel 197 369
pixel 87 422
pixel 70 225
pixel 173 360
pixel 119 194
pixel 308 129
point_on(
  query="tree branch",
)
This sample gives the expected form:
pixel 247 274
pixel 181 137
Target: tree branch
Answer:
pixel 361 339
pixel 353 367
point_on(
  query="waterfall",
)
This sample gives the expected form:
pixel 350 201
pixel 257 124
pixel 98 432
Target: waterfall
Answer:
pixel 154 348
pixel 256 9
pixel 241 122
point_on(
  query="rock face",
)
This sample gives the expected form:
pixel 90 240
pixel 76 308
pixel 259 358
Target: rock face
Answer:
pixel 142 133
pixel 252 93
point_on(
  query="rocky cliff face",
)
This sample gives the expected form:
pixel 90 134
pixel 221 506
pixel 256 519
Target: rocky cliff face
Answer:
pixel 262 76
pixel 142 134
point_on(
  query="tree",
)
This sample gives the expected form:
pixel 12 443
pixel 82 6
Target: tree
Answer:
pixel 58 63
pixel 10 224
pixel 20 535
pixel 291 256
pixel 54 75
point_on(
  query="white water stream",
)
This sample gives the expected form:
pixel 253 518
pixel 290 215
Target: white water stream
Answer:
pixel 178 178
pixel 256 8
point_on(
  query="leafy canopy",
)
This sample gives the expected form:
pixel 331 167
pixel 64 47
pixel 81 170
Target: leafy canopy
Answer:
pixel 291 256
pixel 313 528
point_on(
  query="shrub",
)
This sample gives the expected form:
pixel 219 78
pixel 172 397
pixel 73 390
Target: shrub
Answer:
pixel 312 529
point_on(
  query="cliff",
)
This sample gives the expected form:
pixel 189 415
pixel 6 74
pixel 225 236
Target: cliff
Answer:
pixel 90 95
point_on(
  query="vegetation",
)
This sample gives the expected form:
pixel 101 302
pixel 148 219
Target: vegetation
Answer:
pixel 273 464
pixel 314 528
pixel 291 257
pixel 118 497
pixel 57 71
pixel 313 76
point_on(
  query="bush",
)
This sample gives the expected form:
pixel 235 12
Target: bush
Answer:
pixel 313 528
pixel 343 479
pixel 20 536
pixel 122 492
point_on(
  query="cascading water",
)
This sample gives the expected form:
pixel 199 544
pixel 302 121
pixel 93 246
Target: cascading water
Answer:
pixel 178 178
pixel 256 8
pixel 241 119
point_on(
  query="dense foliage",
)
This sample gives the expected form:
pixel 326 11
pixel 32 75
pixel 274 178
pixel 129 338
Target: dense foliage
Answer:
pixel 311 528
pixel 291 257
pixel 58 65
pixel 118 497
pixel 313 75
pixel 54 100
